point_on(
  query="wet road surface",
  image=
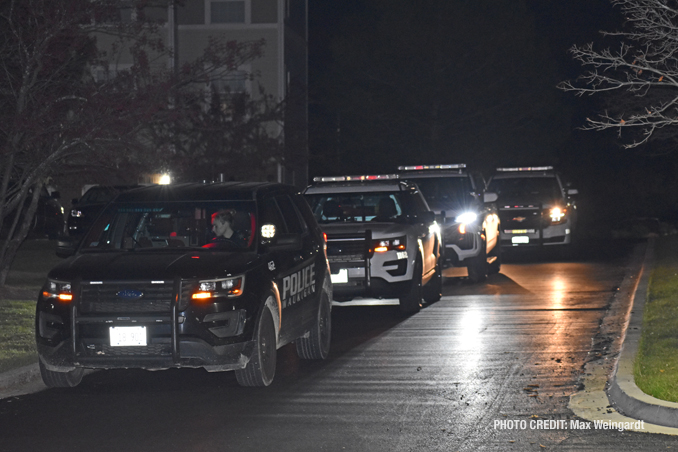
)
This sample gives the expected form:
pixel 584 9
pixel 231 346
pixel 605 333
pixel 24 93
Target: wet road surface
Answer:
pixel 465 373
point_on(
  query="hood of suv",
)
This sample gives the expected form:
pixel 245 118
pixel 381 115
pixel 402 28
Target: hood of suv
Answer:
pixel 149 265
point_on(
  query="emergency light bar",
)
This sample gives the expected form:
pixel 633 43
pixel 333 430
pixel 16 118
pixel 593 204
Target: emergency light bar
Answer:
pixel 432 167
pixel 527 168
pixel 355 178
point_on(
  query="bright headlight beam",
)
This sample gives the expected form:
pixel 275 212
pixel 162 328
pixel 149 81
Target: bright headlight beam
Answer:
pixel 467 217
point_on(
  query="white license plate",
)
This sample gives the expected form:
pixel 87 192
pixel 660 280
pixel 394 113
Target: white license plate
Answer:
pixel 520 239
pixel 341 277
pixel 125 336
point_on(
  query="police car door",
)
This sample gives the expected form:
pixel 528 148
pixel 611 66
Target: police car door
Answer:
pixel 294 269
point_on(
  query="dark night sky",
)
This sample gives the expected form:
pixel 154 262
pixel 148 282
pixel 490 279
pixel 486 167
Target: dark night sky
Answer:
pixel 621 181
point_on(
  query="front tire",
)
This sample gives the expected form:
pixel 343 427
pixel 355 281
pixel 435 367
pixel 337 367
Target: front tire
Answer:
pixel 477 267
pixel 410 303
pixel 495 266
pixel 53 379
pixel 260 371
pixel 433 291
pixel 317 344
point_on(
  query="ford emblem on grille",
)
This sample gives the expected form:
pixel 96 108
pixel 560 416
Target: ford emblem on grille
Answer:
pixel 130 294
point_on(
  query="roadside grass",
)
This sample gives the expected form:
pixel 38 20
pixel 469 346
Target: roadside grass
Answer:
pixel 17 334
pixel 17 307
pixel 656 364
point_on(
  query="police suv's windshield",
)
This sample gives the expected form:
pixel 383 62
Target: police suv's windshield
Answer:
pixel 367 206
pixel 229 225
pixel 445 190
pixel 532 187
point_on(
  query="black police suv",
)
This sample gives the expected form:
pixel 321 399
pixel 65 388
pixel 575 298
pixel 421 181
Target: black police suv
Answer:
pixel 150 285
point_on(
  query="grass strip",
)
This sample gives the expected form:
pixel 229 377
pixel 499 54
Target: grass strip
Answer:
pixel 656 366
pixel 17 334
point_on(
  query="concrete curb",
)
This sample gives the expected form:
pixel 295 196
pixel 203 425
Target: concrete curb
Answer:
pixel 23 380
pixel 623 393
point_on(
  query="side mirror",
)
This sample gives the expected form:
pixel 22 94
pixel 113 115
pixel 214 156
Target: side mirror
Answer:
pixel 275 241
pixel 66 246
pixel 286 242
pixel 490 196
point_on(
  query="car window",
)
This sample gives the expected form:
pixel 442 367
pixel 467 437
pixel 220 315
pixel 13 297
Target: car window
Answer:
pixel 270 214
pixel 304 210
pixel 356 207
pixel 541 187
pixel 455 190
pixel 98 195
pixel 290 215
pixel 138 226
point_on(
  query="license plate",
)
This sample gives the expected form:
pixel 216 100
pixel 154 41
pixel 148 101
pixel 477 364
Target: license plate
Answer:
pixel 520 239
pixel 341 277
pixel 125 336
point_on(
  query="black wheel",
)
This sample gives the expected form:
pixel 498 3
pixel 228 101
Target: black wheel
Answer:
pixel 261 368
pixel 433 290
pixel 410 303
pixel 477 267
pixel 54 379
pixel 316 345
pixel 495 265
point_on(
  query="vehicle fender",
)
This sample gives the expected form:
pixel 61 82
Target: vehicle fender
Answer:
pixel 275 306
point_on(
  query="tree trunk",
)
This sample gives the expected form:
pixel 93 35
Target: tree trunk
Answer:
pixel 17 236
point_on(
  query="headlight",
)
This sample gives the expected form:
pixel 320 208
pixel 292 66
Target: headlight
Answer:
pixel 466 218
pixel 557 214
pixel 76 213
pixel 59 290
pixel 383 245
pixel 219 288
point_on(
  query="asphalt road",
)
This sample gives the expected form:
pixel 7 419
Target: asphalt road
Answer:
pixel 476 371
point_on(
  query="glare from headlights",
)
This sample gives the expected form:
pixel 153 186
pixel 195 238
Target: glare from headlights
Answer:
pixel 556 214
pixel 467 218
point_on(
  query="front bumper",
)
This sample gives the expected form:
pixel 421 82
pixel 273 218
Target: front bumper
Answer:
pixel 175 333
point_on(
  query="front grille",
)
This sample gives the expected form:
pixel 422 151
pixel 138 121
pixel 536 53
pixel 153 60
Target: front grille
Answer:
pixel 521 219
pixel 106 298
pixel 346 249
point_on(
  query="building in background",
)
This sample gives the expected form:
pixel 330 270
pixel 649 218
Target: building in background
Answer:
pixel 282 70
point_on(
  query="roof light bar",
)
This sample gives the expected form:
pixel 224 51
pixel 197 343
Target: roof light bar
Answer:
pixel 432 167
pixel 527 168
pixel 355 178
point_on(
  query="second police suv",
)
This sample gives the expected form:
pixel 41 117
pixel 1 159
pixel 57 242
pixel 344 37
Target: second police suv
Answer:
pixel 217 276
pixel 470 224
pixel 382 239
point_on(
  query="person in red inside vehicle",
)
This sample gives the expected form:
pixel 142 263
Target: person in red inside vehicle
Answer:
pixel 228 227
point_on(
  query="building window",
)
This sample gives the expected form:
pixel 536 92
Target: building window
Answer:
pixel 228 12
